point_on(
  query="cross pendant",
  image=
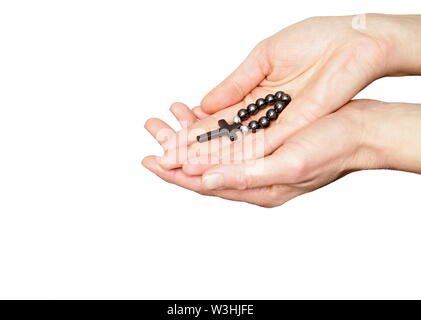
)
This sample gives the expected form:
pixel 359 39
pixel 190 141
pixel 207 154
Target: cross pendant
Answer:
pixel 225 129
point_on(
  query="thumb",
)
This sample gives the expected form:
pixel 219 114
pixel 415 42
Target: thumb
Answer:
pixel 239 83
pixel 281 167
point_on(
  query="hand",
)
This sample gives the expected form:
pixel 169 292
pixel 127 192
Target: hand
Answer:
pixel 364 134
pixel 322 62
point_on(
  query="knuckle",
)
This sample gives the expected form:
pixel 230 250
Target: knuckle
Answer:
pixel 238 87
pixel 244 181
pixel 269 204
pixel 260 53
pixel 207 193
pixel 201 192
pixel 260 47
pixel 271 198
pixel 248 181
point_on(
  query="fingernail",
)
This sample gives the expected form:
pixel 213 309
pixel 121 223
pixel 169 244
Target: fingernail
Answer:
pixel 212 181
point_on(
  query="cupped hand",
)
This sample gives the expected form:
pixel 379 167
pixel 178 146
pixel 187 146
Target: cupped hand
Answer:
pixel 364 134
pixel 321 62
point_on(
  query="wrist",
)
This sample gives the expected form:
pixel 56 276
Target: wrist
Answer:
pixel 398 34
pixel 391 136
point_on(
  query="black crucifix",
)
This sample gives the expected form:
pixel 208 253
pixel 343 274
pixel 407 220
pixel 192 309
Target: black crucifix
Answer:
pixel 225 129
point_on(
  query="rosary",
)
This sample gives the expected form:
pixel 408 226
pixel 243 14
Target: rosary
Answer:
pixel 279 100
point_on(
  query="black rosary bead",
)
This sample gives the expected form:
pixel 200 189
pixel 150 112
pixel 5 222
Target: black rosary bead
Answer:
pixel 278 95
pixel 271 114
pixel 264 122
pixel 260 103
pixel 252 109
pixel 286 98
pixel 243 114
pixel 279 106
pixel 254 125
pixel 270 99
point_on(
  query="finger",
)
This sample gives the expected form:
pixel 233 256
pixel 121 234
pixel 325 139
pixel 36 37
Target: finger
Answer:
pixel 237 85
pixel 177 177
pixel 183 114
pixel 199 113
pixel 195 169
pixel 160 130
pixel 221 150
pixel 249 147
pixel 208 123
pixel 172 176
pixel 185 138
pixel 327 144
pixel 279 168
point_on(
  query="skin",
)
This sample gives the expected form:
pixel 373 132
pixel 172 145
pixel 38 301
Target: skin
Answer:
pixel 309 60
pixel 368 135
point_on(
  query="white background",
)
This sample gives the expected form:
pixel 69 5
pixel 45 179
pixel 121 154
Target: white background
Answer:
pixel 81 218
